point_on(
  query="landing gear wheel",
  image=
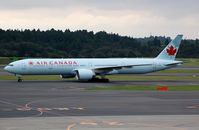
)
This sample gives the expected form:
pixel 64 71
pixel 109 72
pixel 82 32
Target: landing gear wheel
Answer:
pixel 95 79
pixel 105 80
pixel 19 80
pixel 19 77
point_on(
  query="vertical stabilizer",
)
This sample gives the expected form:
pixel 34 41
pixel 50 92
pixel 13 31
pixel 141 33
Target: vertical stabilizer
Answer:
pixel 170 51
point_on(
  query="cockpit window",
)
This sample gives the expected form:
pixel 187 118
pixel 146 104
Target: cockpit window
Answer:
pixel 10 65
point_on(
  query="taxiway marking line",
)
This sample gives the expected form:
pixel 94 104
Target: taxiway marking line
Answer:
pixel 70 126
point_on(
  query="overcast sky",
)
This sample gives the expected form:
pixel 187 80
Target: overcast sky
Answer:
pixel 136 18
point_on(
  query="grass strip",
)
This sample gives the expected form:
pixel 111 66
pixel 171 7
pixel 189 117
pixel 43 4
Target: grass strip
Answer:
pixel 151 77
pixel 173 71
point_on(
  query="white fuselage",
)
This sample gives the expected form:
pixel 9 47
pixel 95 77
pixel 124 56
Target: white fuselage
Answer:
pixel 67 66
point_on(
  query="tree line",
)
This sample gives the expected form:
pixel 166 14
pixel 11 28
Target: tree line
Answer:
pixel 83 43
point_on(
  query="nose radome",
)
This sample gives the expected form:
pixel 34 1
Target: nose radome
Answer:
pixel 6 68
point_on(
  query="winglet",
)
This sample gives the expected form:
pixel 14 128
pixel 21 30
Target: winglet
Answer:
pixel 170 51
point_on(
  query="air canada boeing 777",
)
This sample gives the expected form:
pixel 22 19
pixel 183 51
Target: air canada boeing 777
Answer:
pixel 86 69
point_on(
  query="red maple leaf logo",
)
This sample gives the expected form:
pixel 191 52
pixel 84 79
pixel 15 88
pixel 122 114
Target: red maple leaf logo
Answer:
pixel 30 63
pixel 171 51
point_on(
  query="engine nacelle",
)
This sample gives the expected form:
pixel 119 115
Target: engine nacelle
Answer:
pixel 84 74
pixel 67 76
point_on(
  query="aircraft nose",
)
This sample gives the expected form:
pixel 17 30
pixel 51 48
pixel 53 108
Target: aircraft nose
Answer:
pixel 6 68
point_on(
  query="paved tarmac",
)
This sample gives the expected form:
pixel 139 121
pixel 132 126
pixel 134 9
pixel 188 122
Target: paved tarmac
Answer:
pixel 70 105
pixel 155 122
pixel 72 98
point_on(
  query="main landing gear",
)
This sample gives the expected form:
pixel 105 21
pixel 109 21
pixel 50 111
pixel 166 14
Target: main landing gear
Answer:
pixel 102 79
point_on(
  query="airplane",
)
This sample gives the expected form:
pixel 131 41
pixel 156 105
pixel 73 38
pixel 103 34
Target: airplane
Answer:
pixel 87 69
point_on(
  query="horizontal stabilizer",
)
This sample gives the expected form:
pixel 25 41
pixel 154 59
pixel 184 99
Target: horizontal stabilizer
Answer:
pixel 174 64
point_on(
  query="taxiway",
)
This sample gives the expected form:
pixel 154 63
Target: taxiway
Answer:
pixel 72 98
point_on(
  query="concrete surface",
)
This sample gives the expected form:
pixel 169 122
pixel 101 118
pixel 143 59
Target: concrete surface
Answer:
pixel 62 98
pixel 158 122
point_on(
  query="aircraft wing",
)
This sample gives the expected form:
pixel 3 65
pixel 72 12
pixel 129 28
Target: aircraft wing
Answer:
pixel 106 69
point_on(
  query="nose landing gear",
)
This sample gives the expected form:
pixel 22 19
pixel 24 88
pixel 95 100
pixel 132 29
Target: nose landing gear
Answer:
pixel 19 78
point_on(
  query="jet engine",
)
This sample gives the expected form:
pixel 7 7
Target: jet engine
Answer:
pixel 84 74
